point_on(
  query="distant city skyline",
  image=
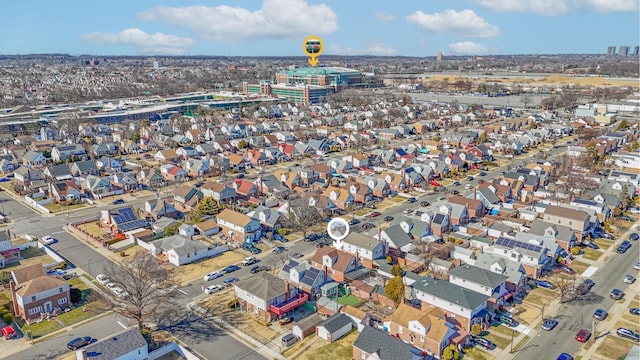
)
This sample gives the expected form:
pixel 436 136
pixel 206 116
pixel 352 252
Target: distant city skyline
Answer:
pixel 354 27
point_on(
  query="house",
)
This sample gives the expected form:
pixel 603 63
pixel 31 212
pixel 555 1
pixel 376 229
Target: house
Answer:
pixel 397 241
pixel 359 318
pixel 180 250
pixel 306 326
pixel 335 263
pixel 166 156
pixel 483 281
pixel 58 172
pixel 426 329
pixel 367 249
pixel 121 220
pixel 186 197
pixel 475 208
pixel 532 257
pixel 128 344
pixel 173 173
pixel 34 158
pixel 68 152
pixel 270 219
pixel 65 190
pixel 576 220
pixel 514 271
pixel 238 226
pixel 219 192
pixel 208 227
pixel 8 253
pixel 373 344
pixel 151 178
pixel 157 208
pixel 245 188
pixel 266 296
pixel 84 168
pixel 125 181
pixel 306 277
pixel 334 327
pixel 461 306
pixel 34 293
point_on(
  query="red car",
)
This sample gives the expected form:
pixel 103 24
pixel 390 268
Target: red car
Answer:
pixel 583 335
pixel 375 214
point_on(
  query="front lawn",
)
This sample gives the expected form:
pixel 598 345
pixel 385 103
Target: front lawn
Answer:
pixel 579 266
pixel 475 353
pixel 500 341
pixel 77 314
pixel 502 329
pixel 43 328
pixel 591 254
pixel 349 300
pixel 614 347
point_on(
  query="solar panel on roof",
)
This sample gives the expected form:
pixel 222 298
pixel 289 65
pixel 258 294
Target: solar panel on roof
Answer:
pixel 510 243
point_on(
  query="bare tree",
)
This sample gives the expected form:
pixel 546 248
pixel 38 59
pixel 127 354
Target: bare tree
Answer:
pixel 565 283
pixel 147 287
pixel 301 215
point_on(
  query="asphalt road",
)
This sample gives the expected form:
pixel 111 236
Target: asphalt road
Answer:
pixel 578 314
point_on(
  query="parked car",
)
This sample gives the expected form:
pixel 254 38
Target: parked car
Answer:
pixel 624 246
pixel 295 255
pixel 564 356
pixel 213 289
pixel 469 178
pixel 411 200
pixel 118 201
pixel 257 269
pixel 455 192
pixel 485 343
pixel 634 236
pixel 375 214
pixel 456 183
pixel 354 222
pixel 80 342
pixel 229 281
pixel 507 320
pixel 102 279
pixel 279 250
pixel 549 324
pixel 312 237
pixel 285 320
pixel 482 173
pixel 49 240
pixel 320 244
pixel 8 332
pixel 636 266
pixel 628 334
pixel 634 311
pixel 600 314
pixel 230 269
pixel 629 279
pixel 212 275
pixel 583 335
pixel 424 203
pixel 368 226
pixel 616 294
pixel 626 218
pixel 592 245
pixel 388 218
pixel 250 260
pixel 545 284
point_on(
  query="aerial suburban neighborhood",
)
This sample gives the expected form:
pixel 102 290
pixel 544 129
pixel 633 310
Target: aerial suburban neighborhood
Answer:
pixel 481 215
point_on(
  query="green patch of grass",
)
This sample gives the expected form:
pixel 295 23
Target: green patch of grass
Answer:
pixel 341 349
pixel 56 208
pixel 521 343
pixel 579 266
pixel 349 300
pixel 76 315
pixel 603 243
pixel 591 254
pixel 501 342
pixel 44 328
pixel 78 284
pixel 476 354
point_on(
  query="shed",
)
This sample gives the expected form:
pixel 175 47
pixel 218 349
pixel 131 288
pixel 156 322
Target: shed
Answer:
pixel 306 326
pixel 334 327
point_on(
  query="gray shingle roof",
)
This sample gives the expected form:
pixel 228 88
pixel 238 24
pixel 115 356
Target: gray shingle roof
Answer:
pixel 362 241
pixel 478 275
pixel 262 285
pixel 335 322
pixel 398 236
pixel 466 298
pixel 373 341
pixel 117 345
pixel 180 244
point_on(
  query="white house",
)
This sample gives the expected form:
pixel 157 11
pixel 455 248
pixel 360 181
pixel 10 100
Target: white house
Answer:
pixel 179 250
pixel 366 248
pixel 238 226
pixel 128 344
pixel 480 280
pixel 334 327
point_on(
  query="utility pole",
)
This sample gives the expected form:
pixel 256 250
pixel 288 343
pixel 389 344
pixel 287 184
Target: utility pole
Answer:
pixel 511 350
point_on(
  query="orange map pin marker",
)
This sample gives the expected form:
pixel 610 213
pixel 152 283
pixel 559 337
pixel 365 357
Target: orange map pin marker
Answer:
pixel 313 47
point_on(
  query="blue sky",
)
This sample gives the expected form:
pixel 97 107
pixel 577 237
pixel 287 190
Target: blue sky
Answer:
pixel 347 27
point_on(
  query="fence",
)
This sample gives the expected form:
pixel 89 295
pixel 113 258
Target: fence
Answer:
pixel 34 204
pixel 180 349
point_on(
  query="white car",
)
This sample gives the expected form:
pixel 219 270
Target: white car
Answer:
pixel 102 279
pixel 49 240
pixel 213 289
pixel 112 286
pixel 637 266
pixel 212 275
pixel 120 292
pixel 629 279
pixel 249 261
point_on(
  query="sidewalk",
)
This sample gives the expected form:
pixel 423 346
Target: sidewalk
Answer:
pixel 266 350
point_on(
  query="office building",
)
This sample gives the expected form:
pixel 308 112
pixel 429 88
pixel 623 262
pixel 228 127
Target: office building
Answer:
pixel 624 51
pixel 636 50
pixel 611 51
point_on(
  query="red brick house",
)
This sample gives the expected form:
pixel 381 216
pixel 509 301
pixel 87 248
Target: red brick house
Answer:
pixel 34 293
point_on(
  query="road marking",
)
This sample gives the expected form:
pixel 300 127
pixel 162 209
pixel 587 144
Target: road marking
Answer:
pixel 183 292
pixel 589 271
pixel 58 232
pixel 121 324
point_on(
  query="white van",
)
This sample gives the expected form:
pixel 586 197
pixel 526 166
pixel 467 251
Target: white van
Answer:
pixel 468 186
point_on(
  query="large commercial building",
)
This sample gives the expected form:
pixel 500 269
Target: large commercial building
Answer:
pixel 611 51
pixel 308 85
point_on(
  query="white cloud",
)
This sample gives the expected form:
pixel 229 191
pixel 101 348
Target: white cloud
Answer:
pixel 558 7
pixel 372 48
pixel 275 19
pixel 468 48
pixel 607 6
pixel 157 43
pixel 465 23
pixel 543 7
pixel 384 16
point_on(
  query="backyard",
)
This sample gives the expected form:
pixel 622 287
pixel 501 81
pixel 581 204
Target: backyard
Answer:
pixel 341 349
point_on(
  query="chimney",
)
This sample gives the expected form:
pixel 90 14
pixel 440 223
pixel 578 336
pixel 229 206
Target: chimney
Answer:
pixel 81 354
pixel 16 308
pixel 286 291
pixel 326 275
